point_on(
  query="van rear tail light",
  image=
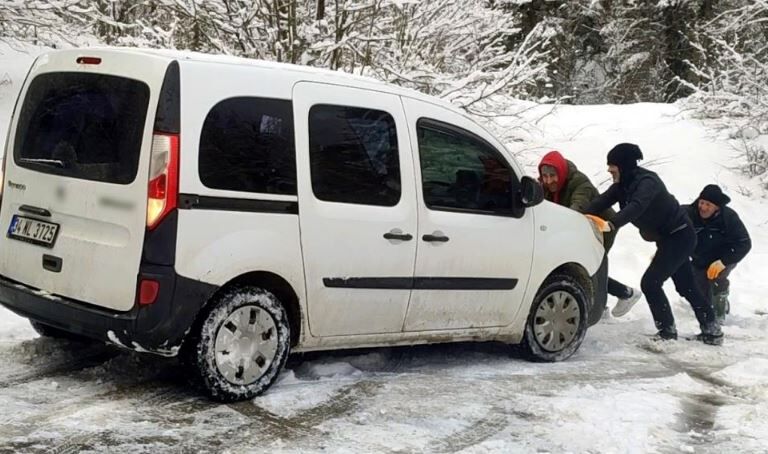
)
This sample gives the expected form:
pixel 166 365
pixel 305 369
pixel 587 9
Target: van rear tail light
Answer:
pixel 162 193
pixel 148 291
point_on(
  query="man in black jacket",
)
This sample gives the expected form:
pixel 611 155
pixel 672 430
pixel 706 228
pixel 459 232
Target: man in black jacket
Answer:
pixel 723 241
pixel 644 201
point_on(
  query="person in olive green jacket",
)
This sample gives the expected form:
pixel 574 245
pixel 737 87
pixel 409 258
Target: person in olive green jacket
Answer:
pixel 565 185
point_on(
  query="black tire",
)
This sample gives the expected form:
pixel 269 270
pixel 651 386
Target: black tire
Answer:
pixel 542 343
pixel 54 333
pixel 214 368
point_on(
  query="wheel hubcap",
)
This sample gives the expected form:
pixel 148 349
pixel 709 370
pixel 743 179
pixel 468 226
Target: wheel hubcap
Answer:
pixel 246 344
pixel 556 321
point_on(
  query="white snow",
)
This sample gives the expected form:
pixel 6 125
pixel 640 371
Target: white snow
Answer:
pixel 752 372
pixel 619 394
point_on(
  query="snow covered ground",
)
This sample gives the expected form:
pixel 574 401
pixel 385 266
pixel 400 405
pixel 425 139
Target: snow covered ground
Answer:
pixel 619 393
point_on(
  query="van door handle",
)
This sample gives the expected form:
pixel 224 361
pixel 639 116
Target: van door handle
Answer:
pixel 52 263
pixel 35 210
pixel 435 237
pixel 396 234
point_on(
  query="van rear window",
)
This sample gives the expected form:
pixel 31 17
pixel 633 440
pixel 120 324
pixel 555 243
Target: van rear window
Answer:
pixel 81 125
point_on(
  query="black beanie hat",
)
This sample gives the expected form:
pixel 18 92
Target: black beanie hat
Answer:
pixel 625 156
pixel 713 194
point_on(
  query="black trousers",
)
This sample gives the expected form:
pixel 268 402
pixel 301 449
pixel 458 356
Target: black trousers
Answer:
pixel 617 289
pixel 672 259
pixel 716 291
pixel 715 287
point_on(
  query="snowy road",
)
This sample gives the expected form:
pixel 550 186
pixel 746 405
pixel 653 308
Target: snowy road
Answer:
pixel 621 393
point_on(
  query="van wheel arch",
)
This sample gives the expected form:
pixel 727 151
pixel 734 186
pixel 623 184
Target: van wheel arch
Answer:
pixel 270 282
pixel 577 272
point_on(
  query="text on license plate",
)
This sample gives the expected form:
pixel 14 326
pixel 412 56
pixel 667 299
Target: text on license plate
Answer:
pixel 33 231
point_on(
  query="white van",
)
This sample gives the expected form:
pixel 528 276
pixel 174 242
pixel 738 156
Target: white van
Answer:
pixel 232 211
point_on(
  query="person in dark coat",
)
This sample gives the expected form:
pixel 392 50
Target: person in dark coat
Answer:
pixel 645 202
pixel 723 242
pixel 565 185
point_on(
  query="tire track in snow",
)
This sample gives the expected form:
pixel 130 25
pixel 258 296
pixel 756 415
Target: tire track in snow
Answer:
pixel 156 386
pixel 58 367
pixel 495 422
pixel 697 418
pixel 302 427
pixel 94 442
pixel 170 405
pixel 150 401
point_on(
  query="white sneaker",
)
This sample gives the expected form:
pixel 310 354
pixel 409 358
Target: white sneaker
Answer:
pixel 624 305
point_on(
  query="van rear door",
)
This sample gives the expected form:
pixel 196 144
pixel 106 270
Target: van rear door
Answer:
pixel 77 167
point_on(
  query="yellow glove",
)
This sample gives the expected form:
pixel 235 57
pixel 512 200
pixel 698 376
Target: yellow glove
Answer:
pixel 601 224
pixel 715 269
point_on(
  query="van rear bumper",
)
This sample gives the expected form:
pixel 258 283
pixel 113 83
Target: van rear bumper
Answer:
pixel 157 328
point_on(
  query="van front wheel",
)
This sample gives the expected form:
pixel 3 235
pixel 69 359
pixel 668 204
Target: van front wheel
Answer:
pixel 557 322
pixel 242 344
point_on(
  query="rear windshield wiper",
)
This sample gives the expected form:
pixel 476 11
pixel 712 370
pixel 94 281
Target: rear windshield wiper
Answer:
pixel 48 162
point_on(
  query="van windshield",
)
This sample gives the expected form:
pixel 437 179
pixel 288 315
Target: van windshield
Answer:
pixel 82 125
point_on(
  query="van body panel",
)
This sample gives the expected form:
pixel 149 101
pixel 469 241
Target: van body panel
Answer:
pixel 101 223
pixel 344 242
pixel 479 246
pixel 203 86
pixel 216 246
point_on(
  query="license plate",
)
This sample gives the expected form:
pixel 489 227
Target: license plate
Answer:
pixel 33 231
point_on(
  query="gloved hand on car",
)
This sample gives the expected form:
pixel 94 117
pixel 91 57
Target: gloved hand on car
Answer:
pixel 601 224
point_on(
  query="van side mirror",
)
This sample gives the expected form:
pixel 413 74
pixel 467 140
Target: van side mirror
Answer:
pixel 531 192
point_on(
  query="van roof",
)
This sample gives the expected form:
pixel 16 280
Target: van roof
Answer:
pixel 297 72
pixel 300 71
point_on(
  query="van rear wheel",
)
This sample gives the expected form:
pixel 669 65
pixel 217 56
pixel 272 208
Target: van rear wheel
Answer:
pixel 557 322
pixel 242 344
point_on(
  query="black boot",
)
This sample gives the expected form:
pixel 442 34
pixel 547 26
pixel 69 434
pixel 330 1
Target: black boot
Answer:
pixel 711 334
pixel 665 334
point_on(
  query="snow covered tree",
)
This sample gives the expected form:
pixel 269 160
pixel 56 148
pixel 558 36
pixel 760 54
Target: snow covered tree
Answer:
pixel 36 22
pixel 447 48
pixel 580 51
pixel 734 81
pixel 452 50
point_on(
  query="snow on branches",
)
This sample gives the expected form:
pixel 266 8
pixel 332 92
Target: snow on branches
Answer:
pixel 458 50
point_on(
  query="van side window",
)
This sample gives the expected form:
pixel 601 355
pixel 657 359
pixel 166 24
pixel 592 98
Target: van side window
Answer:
pixel 247 144
pixel 462 172
pixel 353 155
